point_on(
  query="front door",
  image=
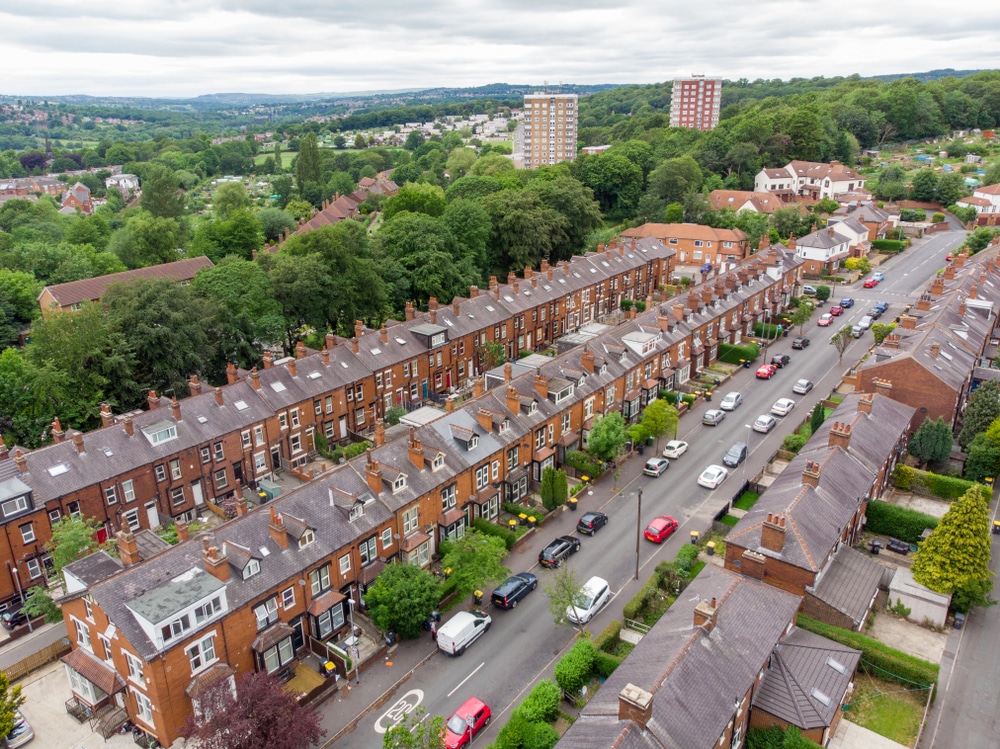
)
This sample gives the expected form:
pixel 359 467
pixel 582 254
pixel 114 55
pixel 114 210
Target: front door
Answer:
pixel 152 516
pixel 199 500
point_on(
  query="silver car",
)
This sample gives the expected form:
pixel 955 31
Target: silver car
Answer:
pixel 731 402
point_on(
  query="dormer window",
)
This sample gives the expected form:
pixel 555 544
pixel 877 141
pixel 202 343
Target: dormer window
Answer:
pixel 252 568
pixel 306 538
pixel 438 462
pixel 357 510
pixel 474 442
pixel 399 483
pixel 532 407
pixel 159 432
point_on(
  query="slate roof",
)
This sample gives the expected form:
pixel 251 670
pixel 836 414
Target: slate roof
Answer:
pixel 91 289
pixel 849 583
pixel 686 231
pixel 684 666
pixel 94 567
pixel 807 680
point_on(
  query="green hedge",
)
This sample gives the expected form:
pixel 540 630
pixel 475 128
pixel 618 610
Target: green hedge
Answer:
pixel 519 733
pixel 732 354
pixel 585 463
pixel 575 668
pixel 492 529
pixel 774 737
pixel 609 637
pixel 542 703
pixel 887 519
pixel 946 487
pixel 605 664
pixel 892 664
pixel 888 245
pixel 766 331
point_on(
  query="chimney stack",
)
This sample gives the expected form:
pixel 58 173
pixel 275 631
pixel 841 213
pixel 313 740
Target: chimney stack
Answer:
pixel 678 311
pixel 175 408
pixel 181 528
pixel 300 350
pixel 107 418
pixel 276 527
pixel 635 704
pixel 231 375
pixel 840 435
pixel 379 433
pixel 78 443
pixel 907 322
pixel 218 396
pixel 241 507
pixel 485 419
pixel 215 563
pixel 268 360
pixel 152 400
pixel 810 474
pixel 324 356
pixel 772 533
pixel 129 426
pixel 331 341
pixel 194 385
pixel 508 372
pixel 587 360
pixel 705 615
pixel 384 331
pixel 359 328
pixel 293 368
pixel 3 449
pixel 128 549
pixel 865 403
pixel 20 461
pixel 513 400
pixel 415 450
pixel 883 388
pixel 255 379
pixel 542 386
pixel 58 435
pixel 373 474
pixel 935 349
pixel 408 312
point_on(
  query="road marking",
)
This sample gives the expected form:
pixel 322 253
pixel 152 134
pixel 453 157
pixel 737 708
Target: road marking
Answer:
pixel 399 710
pixel 459 685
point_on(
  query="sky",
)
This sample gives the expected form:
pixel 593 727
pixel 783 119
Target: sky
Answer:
pixel 184 48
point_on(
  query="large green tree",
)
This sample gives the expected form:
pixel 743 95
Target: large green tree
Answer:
pixel 954 559
pixel 660 418
pixel 10 700
pixel 475 560
pixel 416 197
pixel 161 192
pixel 616 182
pixel 308 167
pixel 982 410
pixel 230 197
pixel 931 442
pixel 147 240
pixel 607 439
pixel 402 598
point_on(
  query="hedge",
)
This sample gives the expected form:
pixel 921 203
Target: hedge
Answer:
pixel 892 664
pixel 542 703
pixel 773 737
pixel 946 487
pixel 574 669
pixel 584 463
pixel 732 354
pixel 766 331
pixel 605 664
pixel 609 637
pixel 888 245
pixel 519 733
pixel 887 519
pixel 492 529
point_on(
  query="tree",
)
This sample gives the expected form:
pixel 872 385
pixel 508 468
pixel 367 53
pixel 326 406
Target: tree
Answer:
pixel 816 418
pixel 823 293
pixel 954 559
pixel 924 186
pixel 161 193
pixel 402 598
pixel 308 168
pixel 259 713
pixel 950 188
pixel 274 221
pixel 39 603
pixel 802 314
pixel 10 700
pixel 230 197
pixel 416 731
pixel 660 418
pixel 73 537
pixel 931 442
pixel 607 438
pixel 983 458
pixel 475 560
pixel 146 240
pixel 563 592
pixel 881 330
pixel 982 410
pixel 416 197
pixel 616 182
pixel 841 340
pixel 547 488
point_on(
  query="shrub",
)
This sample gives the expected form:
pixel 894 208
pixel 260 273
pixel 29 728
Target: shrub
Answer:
pixel 687 552
pixel 794 442
pixel 888 245
pixel 670 396
pixel 609 637
pixel 541 704
pixel 887 519
pixel 519 733
pixel 946 487
pixel 574 669
pixel 540 736
pixel 895 666
pixel 765 331
pixel 605 664
pixel 732 354
pixel 912 214
pixel 937 218
pixel 633 609
pixel 687 398
pixel 492 529
pixel 583 462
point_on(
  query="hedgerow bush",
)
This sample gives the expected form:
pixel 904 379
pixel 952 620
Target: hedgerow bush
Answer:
pixel 583 462
pixel 908 478
pixel 541 704
pixel 492 529
pixel 732 353
pixel 887 519
pixel 888 245
pixel 574 669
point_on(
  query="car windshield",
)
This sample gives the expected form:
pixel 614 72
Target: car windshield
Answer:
pixel 457 724
pixel 652 529
pixel 583 600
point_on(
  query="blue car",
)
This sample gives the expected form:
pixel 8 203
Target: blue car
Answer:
pixel 881 306
pixel 846 302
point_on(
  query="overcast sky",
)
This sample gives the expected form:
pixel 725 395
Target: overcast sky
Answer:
pixel 192 47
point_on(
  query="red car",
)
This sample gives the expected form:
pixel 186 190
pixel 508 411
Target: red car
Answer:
pixel 766 371
pixel 474 713
pixel 836 310
pixel 659 529
pixel 870 283
pixel 948 257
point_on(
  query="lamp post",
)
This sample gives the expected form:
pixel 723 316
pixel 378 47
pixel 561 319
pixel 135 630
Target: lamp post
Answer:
pixel 743 486
pixel 638 532
pixel 354 650
pixel 16 574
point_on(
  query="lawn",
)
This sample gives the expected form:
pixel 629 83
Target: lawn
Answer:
pixel 730 520
pixel 887 708
pixel 746 501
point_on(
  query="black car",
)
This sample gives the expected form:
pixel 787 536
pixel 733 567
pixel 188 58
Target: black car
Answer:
pixel 591 522
pixel 554 554
pixel 513 590
pixel 13 619
pixel 735 454
pixel 780 360
pixel 800 343
pixel 874 313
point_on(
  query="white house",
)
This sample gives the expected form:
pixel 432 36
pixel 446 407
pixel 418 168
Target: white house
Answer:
pixel 991 194
pixel 809 179
pixel 824 249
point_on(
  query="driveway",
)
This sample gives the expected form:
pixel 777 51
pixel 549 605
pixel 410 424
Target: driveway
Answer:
pixel 852 736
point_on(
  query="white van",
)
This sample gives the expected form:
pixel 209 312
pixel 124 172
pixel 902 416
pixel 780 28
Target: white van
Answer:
pixel 593 596
pixel 456 634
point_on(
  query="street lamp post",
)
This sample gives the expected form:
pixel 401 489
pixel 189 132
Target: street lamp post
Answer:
pixel 743 486
pixel 354 649
pixel 638 532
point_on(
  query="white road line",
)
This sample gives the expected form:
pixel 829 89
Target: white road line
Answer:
pixel 459 685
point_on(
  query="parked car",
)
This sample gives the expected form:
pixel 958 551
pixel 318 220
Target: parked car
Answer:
pixel 463 629
pixel 713 417
pixel 882 306
pixel 21 733
pixel 865 322
pixel 809 290
pixel 764 424
pixel 825 320
pixel 556 552
pixel 836 310
pixel 591 522
pixel 712 476
pixel 802 386
pixel 735 454
pixel 457 732
pixel 870 283
pixel 13 619
pixel 878 276
pixel 949 257
pixel 731 401
pixel 857 331
pixel 874 313
pixel 593 596
pixel 766 371
pixel 781 360
pixel 655 466
pixel 513 589
pixel 800 343
pixel 660 529
pixel 847 302
pixel 782 406
pixel 675 449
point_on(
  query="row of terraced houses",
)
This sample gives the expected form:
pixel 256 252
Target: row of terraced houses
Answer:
pixel 152 627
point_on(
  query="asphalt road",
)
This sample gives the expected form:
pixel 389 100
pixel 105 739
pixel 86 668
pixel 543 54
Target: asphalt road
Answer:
pixel 523 644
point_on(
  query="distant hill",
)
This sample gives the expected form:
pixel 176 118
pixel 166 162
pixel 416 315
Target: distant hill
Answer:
pixel 930 75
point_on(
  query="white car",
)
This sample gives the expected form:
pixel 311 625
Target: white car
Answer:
pixel 782 406
pixel 764 424
pixel 675 449
pixel 712 476
pixel 593 596
pixel 731 402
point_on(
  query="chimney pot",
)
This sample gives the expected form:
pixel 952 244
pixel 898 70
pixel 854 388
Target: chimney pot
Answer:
pixel 129 426
pixel 268 360
pixel 218 396
pixel 175 408
pixel 194 385
pixel 78 443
